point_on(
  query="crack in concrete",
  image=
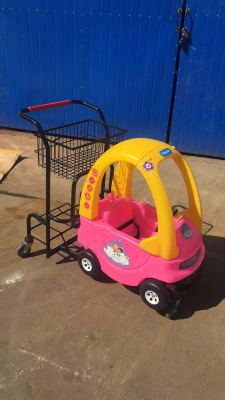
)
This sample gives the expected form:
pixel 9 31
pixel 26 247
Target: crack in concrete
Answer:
pixel 43 359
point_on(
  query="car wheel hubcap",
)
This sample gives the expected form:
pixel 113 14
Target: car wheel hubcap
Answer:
pixel 86 264
pixel 151 297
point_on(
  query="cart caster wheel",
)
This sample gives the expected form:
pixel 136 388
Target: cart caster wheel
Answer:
pixel 89 263
pixel 172 308
pixel 25 248
pixel 155 294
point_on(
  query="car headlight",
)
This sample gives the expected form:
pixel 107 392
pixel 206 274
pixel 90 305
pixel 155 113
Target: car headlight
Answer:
pixel 190 261
pixel 186 231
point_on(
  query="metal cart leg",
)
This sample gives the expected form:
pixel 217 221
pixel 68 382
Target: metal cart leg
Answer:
pixel 48 202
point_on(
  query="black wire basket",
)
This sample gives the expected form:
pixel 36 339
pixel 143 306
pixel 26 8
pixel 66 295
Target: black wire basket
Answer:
pixel 75 147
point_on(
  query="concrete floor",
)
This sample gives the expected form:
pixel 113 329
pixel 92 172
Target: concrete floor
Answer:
pixel 65 336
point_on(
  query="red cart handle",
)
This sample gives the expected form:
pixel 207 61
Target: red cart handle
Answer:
pixel 48 105
pixel 24 111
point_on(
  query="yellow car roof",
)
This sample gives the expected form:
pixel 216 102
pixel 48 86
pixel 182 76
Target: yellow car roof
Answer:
pixel 141 148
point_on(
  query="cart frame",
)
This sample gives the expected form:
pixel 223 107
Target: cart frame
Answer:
pixel 50 145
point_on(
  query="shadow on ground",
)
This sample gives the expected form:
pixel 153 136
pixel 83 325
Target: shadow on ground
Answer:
pixel 209 291
pixel 19 159
pixel 206 293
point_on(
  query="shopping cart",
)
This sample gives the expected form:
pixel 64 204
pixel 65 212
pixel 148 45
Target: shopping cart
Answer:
pixel 68 151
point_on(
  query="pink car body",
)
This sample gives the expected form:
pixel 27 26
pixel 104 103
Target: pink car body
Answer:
pixel 118 250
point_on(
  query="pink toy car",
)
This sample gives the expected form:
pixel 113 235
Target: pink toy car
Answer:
pixel 156 249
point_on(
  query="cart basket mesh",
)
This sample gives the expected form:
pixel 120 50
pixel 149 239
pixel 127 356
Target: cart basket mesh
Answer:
pixel 75 147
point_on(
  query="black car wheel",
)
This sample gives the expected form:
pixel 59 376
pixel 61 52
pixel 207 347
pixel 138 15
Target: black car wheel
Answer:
pixel 155 294
pixel 89 263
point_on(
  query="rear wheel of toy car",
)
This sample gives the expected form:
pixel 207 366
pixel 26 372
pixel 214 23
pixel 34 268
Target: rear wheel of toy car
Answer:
pixel 89 263
pixel 155 294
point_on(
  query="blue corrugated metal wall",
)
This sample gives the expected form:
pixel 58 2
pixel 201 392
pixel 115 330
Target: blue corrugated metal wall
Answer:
pixel 116 54
pixel 199 115
pixel 120 56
